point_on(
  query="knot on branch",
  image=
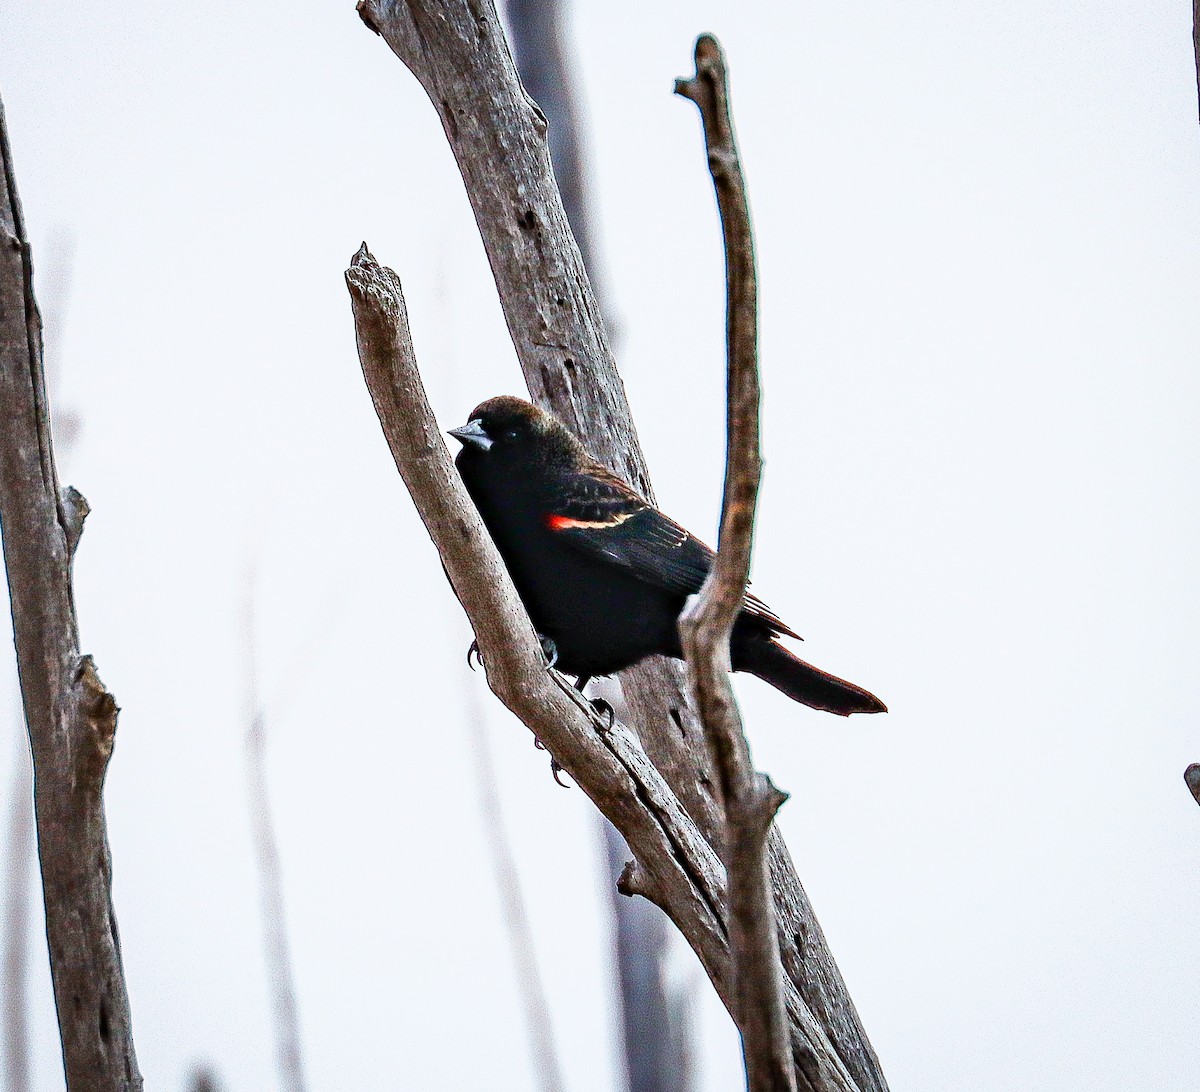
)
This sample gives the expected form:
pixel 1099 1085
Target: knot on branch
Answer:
pixel 634 881
pixel 96 724
pixel 710 75
pixel 74 509
pixel 768 799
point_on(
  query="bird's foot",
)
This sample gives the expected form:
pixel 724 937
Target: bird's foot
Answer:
pixel 473 651
pixel 555 766
pixel 605 710
pixel 549 650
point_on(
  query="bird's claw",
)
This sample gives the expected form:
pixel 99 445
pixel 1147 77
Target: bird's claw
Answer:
pixel 549 650
pixel 605 710
pixel 473 650
pixel 555 766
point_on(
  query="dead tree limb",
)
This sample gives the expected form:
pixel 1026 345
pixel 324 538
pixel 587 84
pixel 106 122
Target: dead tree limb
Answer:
pixel 71 717
pixel 458 52
pixel 705 626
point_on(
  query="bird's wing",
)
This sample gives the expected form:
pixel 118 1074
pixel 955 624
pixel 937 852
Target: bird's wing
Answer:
pixel 599 514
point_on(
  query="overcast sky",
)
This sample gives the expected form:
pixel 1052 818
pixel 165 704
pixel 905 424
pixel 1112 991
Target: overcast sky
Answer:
pixel 980 282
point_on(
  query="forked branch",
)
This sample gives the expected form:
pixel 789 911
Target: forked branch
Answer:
pixel 750 800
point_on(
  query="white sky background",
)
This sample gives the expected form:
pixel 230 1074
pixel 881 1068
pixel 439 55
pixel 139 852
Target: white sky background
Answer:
pixel 980 277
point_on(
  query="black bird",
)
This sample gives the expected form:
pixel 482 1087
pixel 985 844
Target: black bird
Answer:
pixel 602 573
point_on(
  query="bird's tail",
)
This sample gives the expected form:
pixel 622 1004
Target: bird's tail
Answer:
pixel 802 682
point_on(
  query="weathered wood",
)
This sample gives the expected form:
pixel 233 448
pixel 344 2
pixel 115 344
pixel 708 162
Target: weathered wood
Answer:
pixel 457 50
pixel 747 796
pixel 71 717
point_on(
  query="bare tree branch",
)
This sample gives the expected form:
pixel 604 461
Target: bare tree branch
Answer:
pixel 22 845
pixel 458 52
pixel 674 864
pixel 705 626
pixel 71 717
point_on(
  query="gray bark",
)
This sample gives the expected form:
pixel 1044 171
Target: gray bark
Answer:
pixel 70 716
pixel 458 52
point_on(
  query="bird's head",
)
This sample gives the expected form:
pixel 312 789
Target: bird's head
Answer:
pixel 512 431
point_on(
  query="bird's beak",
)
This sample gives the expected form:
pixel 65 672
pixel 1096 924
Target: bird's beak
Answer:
pixel 472 433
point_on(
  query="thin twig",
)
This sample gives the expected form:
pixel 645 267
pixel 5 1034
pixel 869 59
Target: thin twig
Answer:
pixel 71 717
pixel 289 1057
pixel 705 626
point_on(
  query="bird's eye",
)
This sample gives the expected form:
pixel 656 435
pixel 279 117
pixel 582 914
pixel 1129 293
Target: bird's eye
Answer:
pixel 512 434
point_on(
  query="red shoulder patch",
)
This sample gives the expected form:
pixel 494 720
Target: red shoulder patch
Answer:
pixel 567 523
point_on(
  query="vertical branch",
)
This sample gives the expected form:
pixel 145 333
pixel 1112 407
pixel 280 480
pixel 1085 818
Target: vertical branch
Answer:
pixel 21 842
pixel 540 51
pixel 656 1028
pixel 750 800
pixel 289 1057
pixel 71 717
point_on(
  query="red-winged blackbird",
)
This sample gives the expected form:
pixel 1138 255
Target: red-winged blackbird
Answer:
pixel 602 573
